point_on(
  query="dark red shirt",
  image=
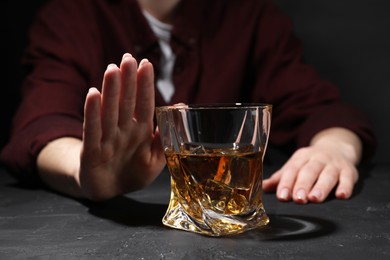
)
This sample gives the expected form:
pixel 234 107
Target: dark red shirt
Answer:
pixel 226 51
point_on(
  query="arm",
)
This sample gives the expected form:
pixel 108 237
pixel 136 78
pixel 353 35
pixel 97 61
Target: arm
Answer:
pixel 58 165
pixel 314 171
pixel 309 114
pixel 119 151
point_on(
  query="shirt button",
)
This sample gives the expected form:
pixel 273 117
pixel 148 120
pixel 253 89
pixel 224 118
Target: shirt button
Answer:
pixel 191 41
pixel 137 48
pixel 178 69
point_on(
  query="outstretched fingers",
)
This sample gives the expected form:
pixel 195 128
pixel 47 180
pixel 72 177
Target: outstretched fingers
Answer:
pixel 110 102
pixel 128 92
pixel 347 180
pixel 144 110
pixel 92 133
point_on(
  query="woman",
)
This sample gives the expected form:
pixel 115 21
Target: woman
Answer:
pixel 87 130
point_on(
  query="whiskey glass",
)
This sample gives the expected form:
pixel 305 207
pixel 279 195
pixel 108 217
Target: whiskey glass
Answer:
pixel 214 154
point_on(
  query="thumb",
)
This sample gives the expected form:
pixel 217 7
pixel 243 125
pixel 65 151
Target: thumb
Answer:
pixel 271 183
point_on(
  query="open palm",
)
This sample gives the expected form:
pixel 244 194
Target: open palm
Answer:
pixel 121 151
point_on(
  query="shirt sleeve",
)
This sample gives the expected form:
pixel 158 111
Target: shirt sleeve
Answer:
pixel 58 67
pixel 303 103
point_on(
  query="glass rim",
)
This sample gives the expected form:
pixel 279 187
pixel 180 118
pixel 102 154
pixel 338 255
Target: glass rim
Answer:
pixel 206 106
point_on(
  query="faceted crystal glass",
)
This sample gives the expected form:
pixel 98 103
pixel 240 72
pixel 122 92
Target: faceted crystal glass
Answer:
pixel 215 157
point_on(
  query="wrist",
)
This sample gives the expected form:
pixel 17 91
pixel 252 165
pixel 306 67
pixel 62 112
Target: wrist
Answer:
pixel 58 165
pixel 342 141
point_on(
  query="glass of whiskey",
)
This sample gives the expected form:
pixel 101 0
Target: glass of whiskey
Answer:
pixel 214 154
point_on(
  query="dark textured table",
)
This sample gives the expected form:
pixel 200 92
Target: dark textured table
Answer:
pixel 38 224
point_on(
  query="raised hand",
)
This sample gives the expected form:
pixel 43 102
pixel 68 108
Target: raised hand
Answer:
pixel 120 151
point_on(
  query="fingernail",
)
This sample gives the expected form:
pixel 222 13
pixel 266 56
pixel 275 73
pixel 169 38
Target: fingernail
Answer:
pixel 301 196
pixel 127 55
pixel 143 61
pixel 342 194
pixel 92 89
pixel 317 194
pixel 284 194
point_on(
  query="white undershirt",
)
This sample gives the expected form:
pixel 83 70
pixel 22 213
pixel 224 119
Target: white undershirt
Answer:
pixel 163 33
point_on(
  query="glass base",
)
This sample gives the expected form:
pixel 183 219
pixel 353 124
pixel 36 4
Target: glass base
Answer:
pixel 210 223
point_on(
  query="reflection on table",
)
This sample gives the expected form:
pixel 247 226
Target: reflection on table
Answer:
pixel 38 223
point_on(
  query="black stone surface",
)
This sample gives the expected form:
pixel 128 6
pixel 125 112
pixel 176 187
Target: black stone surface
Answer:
pixel 36 223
